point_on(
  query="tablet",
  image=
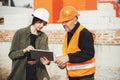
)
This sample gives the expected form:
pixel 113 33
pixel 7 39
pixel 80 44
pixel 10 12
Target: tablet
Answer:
pixel 37 53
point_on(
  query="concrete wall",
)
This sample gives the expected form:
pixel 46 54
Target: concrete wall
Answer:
pixel 0 3
pixel 103 18
pixel 107 62
pixel 15 18
pixel 103 21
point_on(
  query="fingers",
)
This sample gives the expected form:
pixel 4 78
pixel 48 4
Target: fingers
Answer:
pixel 62 66
pixel 28 49
pixel 62 60
pixel 44 60
pixel 59 61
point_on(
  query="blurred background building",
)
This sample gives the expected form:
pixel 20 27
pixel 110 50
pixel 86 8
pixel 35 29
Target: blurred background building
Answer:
pixel 103 19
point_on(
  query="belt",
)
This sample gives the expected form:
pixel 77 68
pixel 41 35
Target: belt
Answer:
pixel 31 62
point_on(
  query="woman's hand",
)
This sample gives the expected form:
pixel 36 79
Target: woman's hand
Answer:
pixel 27 49
pixel 44 61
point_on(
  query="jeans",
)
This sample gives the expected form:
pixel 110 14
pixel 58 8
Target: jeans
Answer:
pixel 31 72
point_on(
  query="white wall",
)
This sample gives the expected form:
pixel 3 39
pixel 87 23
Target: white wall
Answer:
pixel 103 18
pixel 0 3
pixel 15 18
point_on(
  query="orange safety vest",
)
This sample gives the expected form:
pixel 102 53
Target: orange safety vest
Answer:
pixel 77 69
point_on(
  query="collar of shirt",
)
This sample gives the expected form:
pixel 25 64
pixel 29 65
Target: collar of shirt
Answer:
pixel 70 34
pixel 74 29
pixel 29 31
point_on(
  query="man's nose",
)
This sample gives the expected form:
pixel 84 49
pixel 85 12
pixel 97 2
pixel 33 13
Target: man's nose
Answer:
pixel 63 23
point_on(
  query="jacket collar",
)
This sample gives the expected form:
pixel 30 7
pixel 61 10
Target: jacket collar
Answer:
pixel 75 28
pixel 28 31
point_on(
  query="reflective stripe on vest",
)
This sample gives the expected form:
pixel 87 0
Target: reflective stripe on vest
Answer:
pixel 81 66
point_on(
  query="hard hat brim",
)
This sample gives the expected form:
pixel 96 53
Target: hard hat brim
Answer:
pixel 60 20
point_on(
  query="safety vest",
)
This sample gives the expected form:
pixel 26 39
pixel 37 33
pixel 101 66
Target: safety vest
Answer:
pixel 77 69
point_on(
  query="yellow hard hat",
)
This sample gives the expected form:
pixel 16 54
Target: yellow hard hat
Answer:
pixel 67 13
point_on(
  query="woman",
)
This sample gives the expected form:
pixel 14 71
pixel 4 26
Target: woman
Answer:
pixel 24 40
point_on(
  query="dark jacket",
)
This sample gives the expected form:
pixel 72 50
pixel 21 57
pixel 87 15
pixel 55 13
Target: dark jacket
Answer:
pixel 20 41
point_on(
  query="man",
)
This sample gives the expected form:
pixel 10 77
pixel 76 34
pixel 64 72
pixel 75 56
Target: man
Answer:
pixel 24 40
pixel 78 47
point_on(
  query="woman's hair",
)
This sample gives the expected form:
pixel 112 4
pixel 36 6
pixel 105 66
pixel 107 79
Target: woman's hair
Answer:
pixel 35 19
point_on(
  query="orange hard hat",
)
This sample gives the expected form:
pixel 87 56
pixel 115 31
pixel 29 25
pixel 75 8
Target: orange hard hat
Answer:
pixel 67 13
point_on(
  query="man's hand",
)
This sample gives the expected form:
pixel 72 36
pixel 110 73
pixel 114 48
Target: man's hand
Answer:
pixel 44 61
pixel 62 66
pixel 62 60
